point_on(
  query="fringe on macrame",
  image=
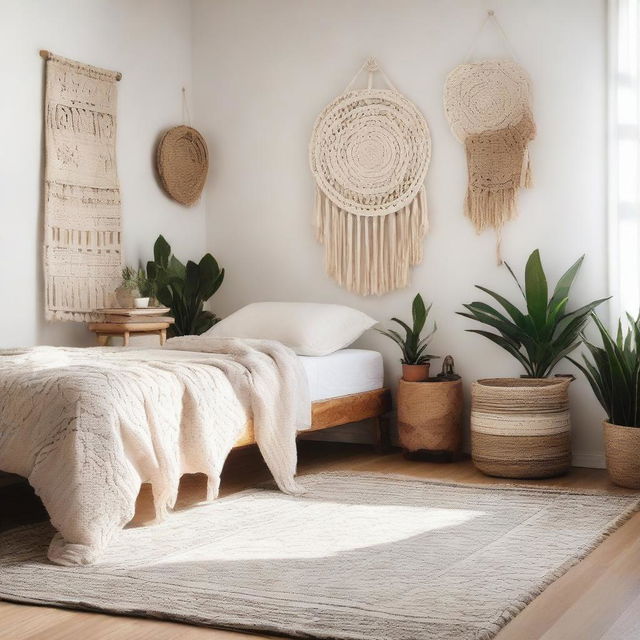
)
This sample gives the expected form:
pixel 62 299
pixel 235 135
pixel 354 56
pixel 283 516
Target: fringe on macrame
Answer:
pixel 68 293
pixel 369 254
pixel 492 206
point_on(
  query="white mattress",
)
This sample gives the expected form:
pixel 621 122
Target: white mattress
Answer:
pixel 342 373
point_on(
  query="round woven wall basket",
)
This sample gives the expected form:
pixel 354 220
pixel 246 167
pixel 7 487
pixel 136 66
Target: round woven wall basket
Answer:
pixel 183 162
pixel 520 427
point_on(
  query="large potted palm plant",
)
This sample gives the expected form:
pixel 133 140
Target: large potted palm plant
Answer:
pixel 613 371
pixel 520 427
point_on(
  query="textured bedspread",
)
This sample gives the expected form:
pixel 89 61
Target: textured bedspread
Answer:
pixel 88 426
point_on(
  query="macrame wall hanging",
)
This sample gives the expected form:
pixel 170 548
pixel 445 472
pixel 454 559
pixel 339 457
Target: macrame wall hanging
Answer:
pixel 369 154
pixel 82 246
pixel 182 159
pixel 488 105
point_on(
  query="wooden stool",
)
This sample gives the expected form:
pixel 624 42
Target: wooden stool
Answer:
pixel 124 328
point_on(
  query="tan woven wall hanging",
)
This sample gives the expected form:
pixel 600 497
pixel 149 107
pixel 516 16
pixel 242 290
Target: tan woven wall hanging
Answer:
pixel 488 105
pixel 82 250
pixel 183 160
pixel 369 154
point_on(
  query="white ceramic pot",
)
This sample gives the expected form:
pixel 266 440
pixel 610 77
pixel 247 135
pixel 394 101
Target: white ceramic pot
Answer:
pixel 141 303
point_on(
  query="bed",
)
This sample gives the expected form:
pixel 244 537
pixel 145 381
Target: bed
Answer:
pixel 87 427
pixel 345 386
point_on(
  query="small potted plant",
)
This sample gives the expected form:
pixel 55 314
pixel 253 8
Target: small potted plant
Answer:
pixel 614 375
pixel 135 289
pixel 128 289
pixel 144 288
pixel 415 360
pixel 520 427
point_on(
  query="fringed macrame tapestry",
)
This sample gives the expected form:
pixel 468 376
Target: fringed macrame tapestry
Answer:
pixel 488 105
pixel 369 154
pixel 82 256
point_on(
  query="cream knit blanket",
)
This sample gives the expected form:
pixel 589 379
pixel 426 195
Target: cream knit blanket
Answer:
pixel 88 426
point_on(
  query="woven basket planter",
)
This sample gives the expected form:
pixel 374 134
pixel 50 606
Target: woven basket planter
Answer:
pixel 430 419
pixel 520 427
pixel 622 449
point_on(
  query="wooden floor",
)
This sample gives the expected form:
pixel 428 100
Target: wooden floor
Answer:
pixel 598 598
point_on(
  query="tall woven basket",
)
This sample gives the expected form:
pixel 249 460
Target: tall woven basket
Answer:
pixel 430 419
pixel 520 427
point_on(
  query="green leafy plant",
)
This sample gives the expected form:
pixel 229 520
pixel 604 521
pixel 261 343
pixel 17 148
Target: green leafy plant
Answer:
pixel 184 289
pixel 614 372
pixel 412 345
pixel 546 332
pixel 136 281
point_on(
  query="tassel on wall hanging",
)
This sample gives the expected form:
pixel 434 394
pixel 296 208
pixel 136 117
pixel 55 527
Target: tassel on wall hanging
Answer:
pixel 488 105
pixel 369 154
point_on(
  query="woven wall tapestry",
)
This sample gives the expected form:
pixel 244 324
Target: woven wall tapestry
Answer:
pixel 369 154
pixel 82 251
pixel 488 105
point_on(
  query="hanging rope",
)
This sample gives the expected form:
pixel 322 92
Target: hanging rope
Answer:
pixel 186 115
pixel 491 16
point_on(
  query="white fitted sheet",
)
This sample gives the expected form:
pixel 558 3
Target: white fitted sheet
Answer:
pixel 343 372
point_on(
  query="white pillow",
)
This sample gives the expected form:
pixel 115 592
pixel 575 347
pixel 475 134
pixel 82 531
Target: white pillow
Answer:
pixel 309 328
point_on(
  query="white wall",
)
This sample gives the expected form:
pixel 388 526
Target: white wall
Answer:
pixel 264 69
pixel 149 41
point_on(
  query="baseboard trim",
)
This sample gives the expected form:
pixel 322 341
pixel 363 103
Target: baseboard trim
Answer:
pixel 589 460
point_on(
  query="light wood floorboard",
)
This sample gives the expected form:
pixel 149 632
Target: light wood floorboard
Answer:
pixel 598 599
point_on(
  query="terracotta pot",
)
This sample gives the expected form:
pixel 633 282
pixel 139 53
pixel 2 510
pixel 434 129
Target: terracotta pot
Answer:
pixel 430 419
pixel 622 449
pixel 415 372
pixel 520 427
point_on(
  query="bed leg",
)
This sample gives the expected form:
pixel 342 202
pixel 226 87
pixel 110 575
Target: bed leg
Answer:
pixel 382 434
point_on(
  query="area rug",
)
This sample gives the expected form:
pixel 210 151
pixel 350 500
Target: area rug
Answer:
pixel 359 556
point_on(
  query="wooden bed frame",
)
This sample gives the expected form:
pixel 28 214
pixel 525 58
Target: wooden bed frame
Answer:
pixel 335 412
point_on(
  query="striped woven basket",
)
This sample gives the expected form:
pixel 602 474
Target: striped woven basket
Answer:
pixel 520 427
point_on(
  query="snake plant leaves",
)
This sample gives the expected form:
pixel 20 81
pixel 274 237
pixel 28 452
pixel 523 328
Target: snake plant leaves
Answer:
pixel 613 371
pixel 543 334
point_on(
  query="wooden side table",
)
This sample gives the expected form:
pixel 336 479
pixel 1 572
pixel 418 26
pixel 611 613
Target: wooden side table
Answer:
pixel 125 327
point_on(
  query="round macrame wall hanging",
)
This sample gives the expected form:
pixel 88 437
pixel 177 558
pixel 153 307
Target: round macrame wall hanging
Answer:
pixel 369 154
pixel 183 162
pixel 488 106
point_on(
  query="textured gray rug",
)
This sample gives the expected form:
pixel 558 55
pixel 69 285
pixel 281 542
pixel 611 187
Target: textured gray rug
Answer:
pixel 360 556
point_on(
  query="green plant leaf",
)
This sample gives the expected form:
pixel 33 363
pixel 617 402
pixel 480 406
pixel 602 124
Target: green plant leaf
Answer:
pixel 563 286
pixel 161 252
pixel 507 346
pixel 513 275
pixel 419 313
pixel 536 289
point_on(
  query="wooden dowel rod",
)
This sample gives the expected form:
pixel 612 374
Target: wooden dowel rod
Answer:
pixel 45 55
